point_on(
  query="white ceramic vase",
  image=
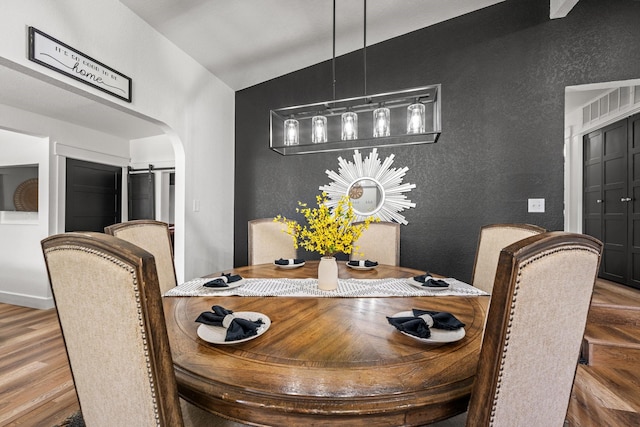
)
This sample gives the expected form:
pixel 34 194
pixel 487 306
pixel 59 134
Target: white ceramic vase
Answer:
pixel 328 274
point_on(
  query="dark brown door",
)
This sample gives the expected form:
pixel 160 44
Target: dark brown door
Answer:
pixel 614 191
pixel 634 204
pixel 592 185
pixel 93 196
pixel 611 198
pixel 141 196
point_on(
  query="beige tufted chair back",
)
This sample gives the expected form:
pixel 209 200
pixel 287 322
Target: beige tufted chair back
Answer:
pixel 492 239
pixel 268 241
pixel 535 325
pixel 154 237
pixel 380 242
pixel 109 305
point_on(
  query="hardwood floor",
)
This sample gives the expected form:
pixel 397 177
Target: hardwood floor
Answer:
pixel 606 390
pixel 36 388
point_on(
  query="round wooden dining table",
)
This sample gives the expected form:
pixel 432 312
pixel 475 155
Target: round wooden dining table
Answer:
pixel 326 361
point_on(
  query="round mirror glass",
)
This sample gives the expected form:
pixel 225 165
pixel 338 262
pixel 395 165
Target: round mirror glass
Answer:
pixel 367 196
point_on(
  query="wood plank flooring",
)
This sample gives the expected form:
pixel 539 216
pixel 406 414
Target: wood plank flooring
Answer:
pixel 36 388
pixel 606 389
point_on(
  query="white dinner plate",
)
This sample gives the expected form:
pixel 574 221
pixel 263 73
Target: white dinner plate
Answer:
pixel 288 266
pixel 217 334
pixel 438 336
pixel 421 285
pixel 224 288
pixel 357 267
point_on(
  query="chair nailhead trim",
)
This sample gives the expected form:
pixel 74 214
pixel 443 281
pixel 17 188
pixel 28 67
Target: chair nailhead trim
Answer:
pixel 511 316
pixel 136 290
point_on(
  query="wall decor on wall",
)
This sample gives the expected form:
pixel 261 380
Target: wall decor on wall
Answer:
pixel 375 188
pixel 25 198
pixel 60 57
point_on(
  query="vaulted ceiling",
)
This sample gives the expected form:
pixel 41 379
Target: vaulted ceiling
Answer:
pixel 246 42
pixel 243 42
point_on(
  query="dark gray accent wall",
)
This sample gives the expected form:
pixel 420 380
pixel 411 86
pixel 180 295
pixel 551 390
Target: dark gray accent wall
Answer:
pixel 503 71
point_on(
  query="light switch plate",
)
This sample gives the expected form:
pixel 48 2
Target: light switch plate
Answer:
pixel 536 205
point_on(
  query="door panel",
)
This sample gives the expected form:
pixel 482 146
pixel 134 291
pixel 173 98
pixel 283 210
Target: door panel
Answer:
pixel 592 185
pixel 611 197
pixel 141 196
pixel 614 161
pixel 613 263
pixel 93 196
pixel 633 138
pixel 605 188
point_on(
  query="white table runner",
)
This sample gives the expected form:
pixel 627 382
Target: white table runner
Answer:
pixel 355 288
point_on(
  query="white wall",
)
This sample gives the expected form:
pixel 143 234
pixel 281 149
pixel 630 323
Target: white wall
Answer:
pixel 155 150
pixel 197 109
pixel 23 277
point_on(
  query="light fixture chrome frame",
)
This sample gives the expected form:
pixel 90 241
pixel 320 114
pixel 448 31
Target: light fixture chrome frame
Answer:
pixel 397 102
pixel 429 96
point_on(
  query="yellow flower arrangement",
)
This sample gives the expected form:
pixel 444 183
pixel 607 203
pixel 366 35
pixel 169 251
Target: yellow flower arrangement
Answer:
pixel 329 231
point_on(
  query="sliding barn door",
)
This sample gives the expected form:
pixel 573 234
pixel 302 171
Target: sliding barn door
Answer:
pixel 141 195
pixel 93 196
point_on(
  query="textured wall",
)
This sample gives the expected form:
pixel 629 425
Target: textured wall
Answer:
pixel 503 72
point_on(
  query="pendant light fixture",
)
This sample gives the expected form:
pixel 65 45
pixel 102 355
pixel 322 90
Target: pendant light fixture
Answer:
pixel 405 117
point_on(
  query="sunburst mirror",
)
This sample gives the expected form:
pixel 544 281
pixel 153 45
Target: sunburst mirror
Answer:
pixel 375 189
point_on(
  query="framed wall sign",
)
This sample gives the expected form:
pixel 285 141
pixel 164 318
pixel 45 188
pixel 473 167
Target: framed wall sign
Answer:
pixel 60 57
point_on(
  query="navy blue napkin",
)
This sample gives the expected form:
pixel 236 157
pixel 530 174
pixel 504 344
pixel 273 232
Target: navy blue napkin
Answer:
pixel 429 282
pixel 223 281
pixel 417 326
pixel 366 263
pixel 441 319
pixel 282 261
pixel 238 329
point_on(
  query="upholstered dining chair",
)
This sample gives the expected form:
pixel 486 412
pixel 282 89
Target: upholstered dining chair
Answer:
pixel 538 313
pixel 268 241
pixel 492 239
pixel 154 237
pixel 107 295
pixel 380 242
pixel 535 324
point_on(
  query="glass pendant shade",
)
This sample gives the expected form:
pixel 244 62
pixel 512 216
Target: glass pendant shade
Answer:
pixel 381 122
pixel 318 129
pixel 416 118
pixel 291 132
pixel 349 126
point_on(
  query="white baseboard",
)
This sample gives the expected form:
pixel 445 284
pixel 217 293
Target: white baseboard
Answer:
pixel 26 300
